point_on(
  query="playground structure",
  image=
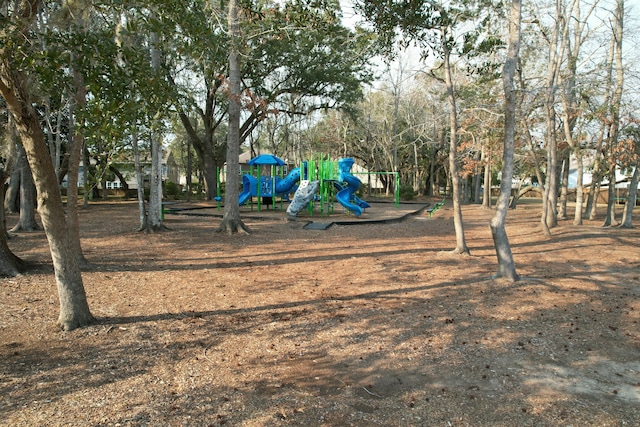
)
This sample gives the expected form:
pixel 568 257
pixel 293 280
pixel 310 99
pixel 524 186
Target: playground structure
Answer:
pixel 323 181
pixel 347 186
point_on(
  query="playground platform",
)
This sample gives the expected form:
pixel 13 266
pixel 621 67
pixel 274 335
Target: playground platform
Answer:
pixel 379 212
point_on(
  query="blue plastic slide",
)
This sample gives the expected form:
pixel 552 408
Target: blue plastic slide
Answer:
pixel 249 188
pixel 285 185
pixel 346 196
pixel 282 186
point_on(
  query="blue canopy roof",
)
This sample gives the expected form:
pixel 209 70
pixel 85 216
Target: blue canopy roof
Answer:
pixel 266 159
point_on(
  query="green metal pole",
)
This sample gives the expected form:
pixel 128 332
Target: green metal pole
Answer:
pixel 397 190
pixel 321 182
pixel 312 176
pixel 259 190
pixel 281 175
pixel 273 187
pixel 217 185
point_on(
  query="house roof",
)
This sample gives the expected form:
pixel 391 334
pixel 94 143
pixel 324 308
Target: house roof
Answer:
pixel 245 157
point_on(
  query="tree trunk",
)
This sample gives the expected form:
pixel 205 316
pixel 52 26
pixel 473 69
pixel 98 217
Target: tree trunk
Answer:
pixel 627 216
pixel 550 199
pixel 461 244
pixel 189 170
pixel 231 222
pixel 154 211
pixel 549 217
pixel 602 148
pixel 615 108
pixel 87 187
pixel 74 309
pixel 27 221
pixel 73 169
pixel 209 172
pixel 610 217
pixel 205 147
pixel 10 264
pixel 140 181
pixel 121 178
pixel 564 185
pixel 592 210
pixel 486 195
pixel 506 264
pixel 477 179
pixel 570 108
pixel 514 199
pixel 532 151
pixel 12 196
pixel 577 217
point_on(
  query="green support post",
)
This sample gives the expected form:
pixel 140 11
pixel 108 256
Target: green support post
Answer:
pixel 397 189
pixel 217 186
pixel 259 189
pixel 313 175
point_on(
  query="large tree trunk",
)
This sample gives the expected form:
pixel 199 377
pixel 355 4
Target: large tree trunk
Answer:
pixel 74 309
pixel 564 185
pixel 549 217
pixel 209 173
pixel 27 220
pixel 231 221
pixel 477 178
pixel 73 169
pixel 627 216
pixel 154 208
pixel 506 264
pixel 142 209
pixel 610 219
pixel 189 171
pixel 461 244
pixel 87 186
pixel 10 264
pixel 577 217
pixel 205 146
pixel 12 195
pixel 486 194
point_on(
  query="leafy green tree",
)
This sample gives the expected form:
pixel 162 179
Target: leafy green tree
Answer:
pixel 434 27
pixel 231 221
pixel 296 58
pixel 14 88
pixel 127 95
pixel 506 264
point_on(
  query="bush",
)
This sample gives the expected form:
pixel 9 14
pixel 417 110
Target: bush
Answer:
pixel 406 192
pixel 363 190
pixel 171 188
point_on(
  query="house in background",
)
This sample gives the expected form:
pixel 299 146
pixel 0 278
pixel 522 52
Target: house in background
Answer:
pixel 125 171
pixel 621 182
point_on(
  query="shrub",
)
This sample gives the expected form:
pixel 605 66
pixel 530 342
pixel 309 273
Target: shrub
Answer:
pixel 171 188
pixel 406 192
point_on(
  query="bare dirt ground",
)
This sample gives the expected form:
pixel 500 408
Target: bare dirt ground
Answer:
pixel 356 325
